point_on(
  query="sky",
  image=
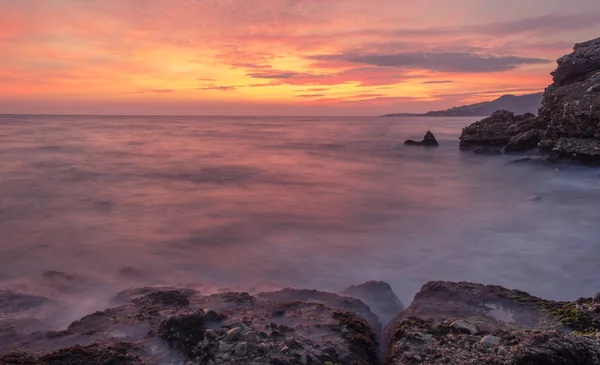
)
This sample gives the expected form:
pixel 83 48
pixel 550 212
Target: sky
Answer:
pixel 279 57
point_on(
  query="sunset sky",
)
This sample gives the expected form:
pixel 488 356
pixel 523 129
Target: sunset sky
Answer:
pixel 279 57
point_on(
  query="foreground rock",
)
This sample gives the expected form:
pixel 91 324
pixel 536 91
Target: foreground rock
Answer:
pixel 428 141
pixel 161 326
pixel 464 323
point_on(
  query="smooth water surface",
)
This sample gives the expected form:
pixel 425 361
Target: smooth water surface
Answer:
pixel 256 203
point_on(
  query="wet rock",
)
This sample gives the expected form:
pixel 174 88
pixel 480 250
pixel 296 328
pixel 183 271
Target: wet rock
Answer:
pixel 428 141
pixel 183 332
pixel 490 131
pixel 464 326
pixel 583 149
pixel 233 334
pixel 170 298
pixel 490 341
pixel 596 297
pixel 379 296
pixel 210 334
pixel 524 141
pixel 16 302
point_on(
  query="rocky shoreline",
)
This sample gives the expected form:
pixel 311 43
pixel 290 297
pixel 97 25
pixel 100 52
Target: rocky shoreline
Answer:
pixel 567 126
pixel 447 323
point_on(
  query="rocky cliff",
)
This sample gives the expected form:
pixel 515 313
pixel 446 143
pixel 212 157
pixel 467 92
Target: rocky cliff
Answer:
pixel 447 323
pixel 568 122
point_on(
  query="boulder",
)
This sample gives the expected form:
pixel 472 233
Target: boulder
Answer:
pixel 466 323
pixel 490 131
pixel 428 141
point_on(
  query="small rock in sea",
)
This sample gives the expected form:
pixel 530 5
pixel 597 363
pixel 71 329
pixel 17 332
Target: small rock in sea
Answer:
pixel 210 334
pixel 251 337
pixel 428 141
pixel 241 349
pixel 464 326
pixel 490 341
pixel 233 334
pixel 535 198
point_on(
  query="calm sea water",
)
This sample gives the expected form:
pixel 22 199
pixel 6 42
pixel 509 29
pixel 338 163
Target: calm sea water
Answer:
pixel 256 203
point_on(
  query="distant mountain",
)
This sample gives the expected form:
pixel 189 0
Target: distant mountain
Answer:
pixel 529 103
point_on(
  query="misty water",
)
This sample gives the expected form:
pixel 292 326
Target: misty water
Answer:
pixel 249 203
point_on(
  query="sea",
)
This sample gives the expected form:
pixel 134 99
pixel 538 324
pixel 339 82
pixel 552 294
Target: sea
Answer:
pixel 106 203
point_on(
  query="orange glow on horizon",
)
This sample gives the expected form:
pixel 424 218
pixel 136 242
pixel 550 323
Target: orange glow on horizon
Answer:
pixel 331 54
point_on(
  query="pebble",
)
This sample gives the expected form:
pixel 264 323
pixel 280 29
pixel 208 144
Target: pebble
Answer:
pixel 210 334
pixel 467 345
pixel 303 358
pixel 285 349
pixel 241 349
pixel 251 337
pixel 490 341
pixel 233 334
pixel 464 325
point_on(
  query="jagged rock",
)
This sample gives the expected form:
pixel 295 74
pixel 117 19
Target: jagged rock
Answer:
pixel 114 354
pixel 428 141
pixel 570 104
pixel 513 328
pixel 584 149
pixel 490 131
pixel 578 65
pixel 524 141
pixel 163 326
pixel 379 296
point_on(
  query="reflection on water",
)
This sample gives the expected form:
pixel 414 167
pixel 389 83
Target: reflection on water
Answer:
pixel 271 202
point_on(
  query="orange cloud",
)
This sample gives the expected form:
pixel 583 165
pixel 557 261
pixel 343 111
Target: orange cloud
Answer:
pixel 337 54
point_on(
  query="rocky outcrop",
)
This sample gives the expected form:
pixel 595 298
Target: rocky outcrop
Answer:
pixel 465 323
pixel 491 131
pixel 568 124
pixel 428 141
pixel 571 105
pixel 167 325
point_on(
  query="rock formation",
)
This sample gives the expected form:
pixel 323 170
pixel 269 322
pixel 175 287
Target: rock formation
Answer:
pixel 568 124
pixel 428 141
pixel 465 323
pixel 447 323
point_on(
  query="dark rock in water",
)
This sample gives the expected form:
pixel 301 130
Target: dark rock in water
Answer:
pixel 491 131
pixel 428 141
pixel 584 149
pixel 379 296
pixel 524 328
pixel 184 332
pixel 174 298
pixel 524 141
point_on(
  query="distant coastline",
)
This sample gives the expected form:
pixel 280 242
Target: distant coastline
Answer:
pixel 528 103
